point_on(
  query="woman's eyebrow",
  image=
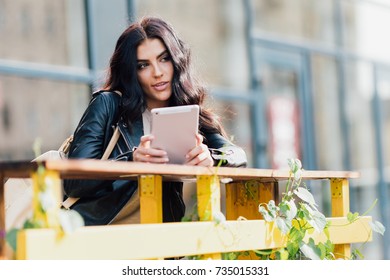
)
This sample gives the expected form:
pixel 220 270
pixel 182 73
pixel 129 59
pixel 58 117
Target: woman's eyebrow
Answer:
pixel 164 52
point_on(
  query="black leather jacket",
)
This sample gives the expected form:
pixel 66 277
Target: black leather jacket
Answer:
pixel 101 200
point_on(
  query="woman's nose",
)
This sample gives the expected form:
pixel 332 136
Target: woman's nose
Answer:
pixel 157 71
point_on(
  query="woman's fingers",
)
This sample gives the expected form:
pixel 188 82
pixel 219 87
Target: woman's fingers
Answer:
pixel 150 155
pixel 146 154
pixel 145 140
pixel 200 155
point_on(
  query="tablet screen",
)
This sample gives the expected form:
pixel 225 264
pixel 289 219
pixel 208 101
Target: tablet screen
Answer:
pixel 174 130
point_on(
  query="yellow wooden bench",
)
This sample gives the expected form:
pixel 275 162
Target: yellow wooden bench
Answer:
pixel 151 239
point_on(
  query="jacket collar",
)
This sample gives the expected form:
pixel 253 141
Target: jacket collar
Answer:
pixel 132 138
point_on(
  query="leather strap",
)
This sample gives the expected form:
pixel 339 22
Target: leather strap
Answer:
pixel 114 139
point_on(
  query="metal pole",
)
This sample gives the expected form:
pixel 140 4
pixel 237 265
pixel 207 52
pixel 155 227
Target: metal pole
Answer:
pixel 381 185
pixel 259 131
pixel 131 10
pixel 91 40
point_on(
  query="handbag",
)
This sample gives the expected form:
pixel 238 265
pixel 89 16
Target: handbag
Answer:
pixel 72 200
pixel 19 192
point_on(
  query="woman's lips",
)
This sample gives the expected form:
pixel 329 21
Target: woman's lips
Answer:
pixel 160 86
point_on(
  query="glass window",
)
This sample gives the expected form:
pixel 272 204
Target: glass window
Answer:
pixel 384 96
pixel 300 19
pixel 235 118
pixel 327 113
pixel 359 114
pixel 365 26
pixel 279 73
pixel 48 32
pixel 215 32
pixel 34 108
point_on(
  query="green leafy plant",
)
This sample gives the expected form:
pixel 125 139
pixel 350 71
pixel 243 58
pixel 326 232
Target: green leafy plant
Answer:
pixel 46 211
pixel 296 215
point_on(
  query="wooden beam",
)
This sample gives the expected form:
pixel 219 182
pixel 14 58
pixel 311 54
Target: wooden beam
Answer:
pixel 172 239
pixel 90 168
pixel 339 189
pixel 209 203
pixel 150 192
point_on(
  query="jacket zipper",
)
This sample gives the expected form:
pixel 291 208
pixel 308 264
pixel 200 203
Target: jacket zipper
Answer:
pixel 129 146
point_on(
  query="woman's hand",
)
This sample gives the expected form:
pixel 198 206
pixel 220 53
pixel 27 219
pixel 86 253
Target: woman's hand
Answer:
pixel 200 155
pixel 144 153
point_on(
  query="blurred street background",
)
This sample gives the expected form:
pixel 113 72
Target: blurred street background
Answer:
pixel 307 79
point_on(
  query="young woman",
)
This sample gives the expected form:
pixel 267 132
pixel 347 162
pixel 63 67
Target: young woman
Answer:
pixel 151 68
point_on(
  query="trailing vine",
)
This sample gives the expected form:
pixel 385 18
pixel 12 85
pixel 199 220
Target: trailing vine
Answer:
pixel 296 215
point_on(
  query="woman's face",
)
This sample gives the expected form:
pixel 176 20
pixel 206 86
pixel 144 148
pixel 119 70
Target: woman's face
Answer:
pixel 155 72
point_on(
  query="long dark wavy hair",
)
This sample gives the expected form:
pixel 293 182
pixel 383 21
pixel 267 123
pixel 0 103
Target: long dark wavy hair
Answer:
pixel 122 73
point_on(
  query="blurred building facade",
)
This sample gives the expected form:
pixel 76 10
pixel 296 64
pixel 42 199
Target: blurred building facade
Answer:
pixel 291 78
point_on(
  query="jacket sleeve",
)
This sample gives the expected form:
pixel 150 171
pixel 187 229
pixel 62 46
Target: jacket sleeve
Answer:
pixel 89 142
pixel 225 152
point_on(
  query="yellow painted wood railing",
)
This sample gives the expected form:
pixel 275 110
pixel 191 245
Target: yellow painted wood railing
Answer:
pixel 151 239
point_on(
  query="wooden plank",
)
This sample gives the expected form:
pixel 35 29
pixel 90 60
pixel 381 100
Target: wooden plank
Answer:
pixel 89 168
pixel 17 169
pixel 209 203
pixel 172 239
pixel 243 198
pixel 339 189
pixel 150 193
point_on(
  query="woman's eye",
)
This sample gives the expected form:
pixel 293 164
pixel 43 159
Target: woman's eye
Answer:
pixel 141 65
pixel 166 58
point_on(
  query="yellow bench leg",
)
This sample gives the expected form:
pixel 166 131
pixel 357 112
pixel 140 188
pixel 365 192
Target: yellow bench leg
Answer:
pixel 243 199
pixel 150 187
pixel 340 208
pixel 209 202
pixel 47 181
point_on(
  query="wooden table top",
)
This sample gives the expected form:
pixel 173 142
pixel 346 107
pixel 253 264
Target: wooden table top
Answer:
pixel 99 169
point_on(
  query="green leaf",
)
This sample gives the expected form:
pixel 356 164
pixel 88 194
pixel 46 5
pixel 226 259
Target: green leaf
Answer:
pixel 316 219
pixel 326 231
pixel 352 217
pixel 292 210
pixel 378 227
pixel 70 220
pixel 33 224
pixel 271 212
pixel 219 217
pixel 230 256
pixel 186 219
pixel 294 165
pixel 297 176
pixel 265 213
pixel 356 253
pixel 292 248
pixel 11 238
pixel 282 254
pixel 263 252
pixel 272 207
pixel 310 250
pixel 283 225
pixel 296 235
pixel 323 250
pixel 305 195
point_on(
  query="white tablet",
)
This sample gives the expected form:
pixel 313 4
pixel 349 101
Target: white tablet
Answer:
pixel 174 130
